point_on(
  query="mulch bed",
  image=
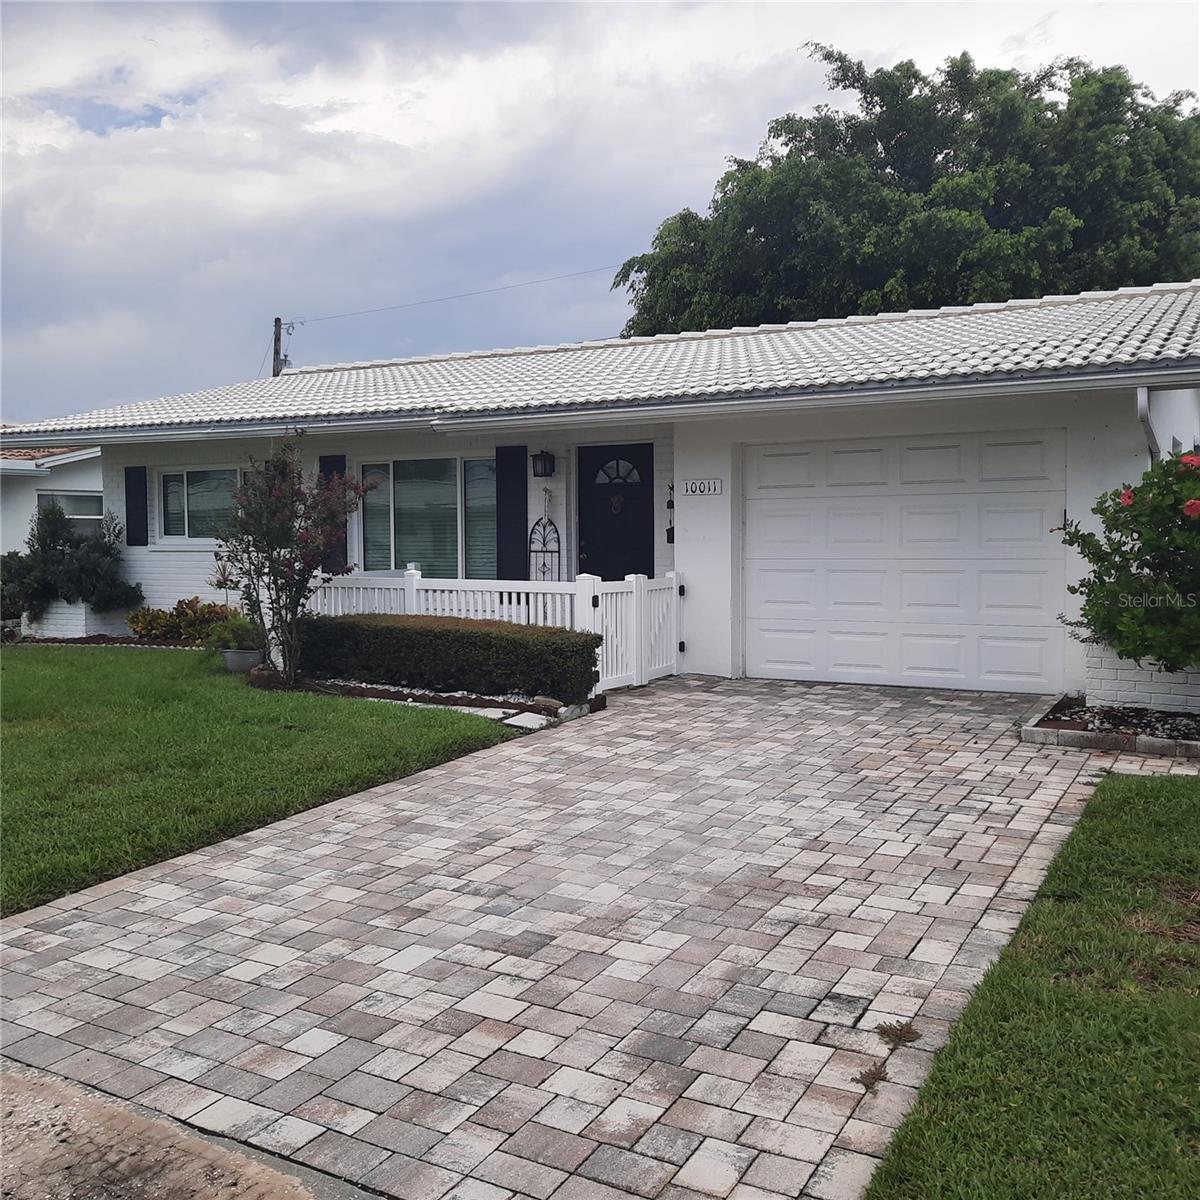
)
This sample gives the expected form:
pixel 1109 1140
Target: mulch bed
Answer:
pixel 1072 712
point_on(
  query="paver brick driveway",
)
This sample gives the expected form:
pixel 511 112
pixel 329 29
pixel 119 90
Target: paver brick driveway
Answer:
pixel 642 954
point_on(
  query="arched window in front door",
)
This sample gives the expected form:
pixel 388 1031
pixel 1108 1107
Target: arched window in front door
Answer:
pixel 617 470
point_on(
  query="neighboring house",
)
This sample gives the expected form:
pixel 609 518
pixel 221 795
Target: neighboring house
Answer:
pixel 30 478
pixel 871 500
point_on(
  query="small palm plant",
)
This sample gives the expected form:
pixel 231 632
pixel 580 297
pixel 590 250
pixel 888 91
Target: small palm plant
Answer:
pixel 223 579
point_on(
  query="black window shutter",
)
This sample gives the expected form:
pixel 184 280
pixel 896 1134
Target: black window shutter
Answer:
pixel 137 520
pixel 329 465
pixel 512 513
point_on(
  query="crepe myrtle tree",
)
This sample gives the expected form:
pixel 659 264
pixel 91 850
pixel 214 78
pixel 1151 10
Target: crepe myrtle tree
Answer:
pixel 1141 595
pixel 283 542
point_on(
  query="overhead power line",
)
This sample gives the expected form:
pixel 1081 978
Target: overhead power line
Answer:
pixel 508 287
pixel 266 355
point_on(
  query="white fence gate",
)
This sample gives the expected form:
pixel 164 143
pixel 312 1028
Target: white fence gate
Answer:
pixel 638 617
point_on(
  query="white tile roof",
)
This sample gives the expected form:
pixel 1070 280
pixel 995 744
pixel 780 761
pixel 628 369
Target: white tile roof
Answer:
pixel 1093 333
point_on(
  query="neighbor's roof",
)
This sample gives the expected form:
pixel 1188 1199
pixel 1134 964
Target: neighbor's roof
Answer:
pixel 31 453
pixel 1093 334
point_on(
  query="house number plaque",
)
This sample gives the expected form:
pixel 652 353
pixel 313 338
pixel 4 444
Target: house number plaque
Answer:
pixel 701 487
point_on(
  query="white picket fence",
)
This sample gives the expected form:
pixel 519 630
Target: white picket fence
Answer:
pixel 638 617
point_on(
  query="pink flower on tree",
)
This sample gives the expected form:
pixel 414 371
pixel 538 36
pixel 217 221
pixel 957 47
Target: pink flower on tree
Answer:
pixel 1190 460
pixel 1126 497
pixel 1191 508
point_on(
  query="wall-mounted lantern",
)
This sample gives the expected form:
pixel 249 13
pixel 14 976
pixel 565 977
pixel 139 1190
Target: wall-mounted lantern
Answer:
pixel 670 514
pixel 543 464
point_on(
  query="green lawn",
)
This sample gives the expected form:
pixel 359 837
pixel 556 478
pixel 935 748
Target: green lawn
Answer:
pixel 114 759
pixel 1074 1073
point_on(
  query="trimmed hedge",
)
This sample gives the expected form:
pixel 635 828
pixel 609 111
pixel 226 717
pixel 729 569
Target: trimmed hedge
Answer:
pixel 446 654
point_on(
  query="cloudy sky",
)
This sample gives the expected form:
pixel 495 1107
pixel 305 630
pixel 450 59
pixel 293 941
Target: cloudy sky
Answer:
pixel 175 175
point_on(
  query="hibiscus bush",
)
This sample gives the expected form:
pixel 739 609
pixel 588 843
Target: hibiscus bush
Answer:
pixel 1141 595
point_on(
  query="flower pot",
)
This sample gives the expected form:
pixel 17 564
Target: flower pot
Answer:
pixel 238 662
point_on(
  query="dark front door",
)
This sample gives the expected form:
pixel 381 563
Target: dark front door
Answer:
pixel 616 510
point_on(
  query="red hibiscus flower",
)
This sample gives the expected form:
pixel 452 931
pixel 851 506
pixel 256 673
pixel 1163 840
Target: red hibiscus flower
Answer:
pixel 1191 508
pixel 1127 497
pixel 1190 460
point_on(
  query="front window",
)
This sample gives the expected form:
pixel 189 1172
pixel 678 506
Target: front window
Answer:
pixel 197 504
pixel 432 513
pixel 479 518
pixel 84 508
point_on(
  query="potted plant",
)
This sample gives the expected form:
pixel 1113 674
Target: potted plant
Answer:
pixel 239 642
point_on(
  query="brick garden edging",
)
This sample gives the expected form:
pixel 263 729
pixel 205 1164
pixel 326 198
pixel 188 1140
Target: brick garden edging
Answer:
pixel 110 645
pixel 1084 739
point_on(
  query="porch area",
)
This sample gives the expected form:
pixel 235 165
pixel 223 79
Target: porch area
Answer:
pixel 639 618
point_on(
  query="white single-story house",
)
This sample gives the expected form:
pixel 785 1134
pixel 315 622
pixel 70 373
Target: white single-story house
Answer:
pixel 32 478
pixel 870 500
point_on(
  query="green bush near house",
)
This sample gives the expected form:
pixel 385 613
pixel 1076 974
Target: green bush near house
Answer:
pixel 445 654
pixel 189 621
pixel 60 563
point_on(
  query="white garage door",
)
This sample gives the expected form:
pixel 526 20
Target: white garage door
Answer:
pixel 924 560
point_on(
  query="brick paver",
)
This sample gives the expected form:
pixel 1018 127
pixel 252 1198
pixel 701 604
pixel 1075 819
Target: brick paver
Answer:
pixel 643 954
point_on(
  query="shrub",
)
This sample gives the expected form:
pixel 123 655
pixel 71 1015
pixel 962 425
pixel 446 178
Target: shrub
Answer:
pixel 445 654
pixel 60 563
pixel 285 540
pixel 12 572
pixel 234 633
pixel 189 621
pixel 196 617
pixel 1142 594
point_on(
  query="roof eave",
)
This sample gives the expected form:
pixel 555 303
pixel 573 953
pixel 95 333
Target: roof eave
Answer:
pixel 734 405
pixel 20 466
pixel 221 430
pixel 1184 372
pixel 70 456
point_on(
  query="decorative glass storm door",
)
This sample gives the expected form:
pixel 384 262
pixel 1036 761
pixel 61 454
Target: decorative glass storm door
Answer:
pixel 616 510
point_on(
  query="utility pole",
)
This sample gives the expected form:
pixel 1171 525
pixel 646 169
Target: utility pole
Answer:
pixel 277 348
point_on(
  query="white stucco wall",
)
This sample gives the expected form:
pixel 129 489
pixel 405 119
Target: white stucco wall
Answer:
pixel 18 495
pixel 169 571
pixel 1105 445
pixel 1175 418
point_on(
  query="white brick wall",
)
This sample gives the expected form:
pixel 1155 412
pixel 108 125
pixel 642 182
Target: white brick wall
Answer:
pixel 63 620
pixel 1113 680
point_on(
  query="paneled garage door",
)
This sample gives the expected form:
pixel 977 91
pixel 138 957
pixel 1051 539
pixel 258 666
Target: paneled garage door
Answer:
pixel 913 560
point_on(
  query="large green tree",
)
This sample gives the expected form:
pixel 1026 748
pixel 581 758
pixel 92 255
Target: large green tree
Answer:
pixel 965 186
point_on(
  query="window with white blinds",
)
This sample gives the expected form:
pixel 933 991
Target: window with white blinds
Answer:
pixel 413 512
pixel 479 518
pixel 197 504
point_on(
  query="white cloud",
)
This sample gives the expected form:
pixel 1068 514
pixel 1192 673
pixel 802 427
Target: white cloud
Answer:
pixel 176 175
